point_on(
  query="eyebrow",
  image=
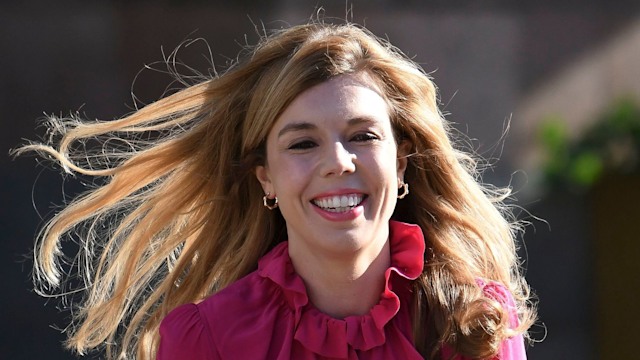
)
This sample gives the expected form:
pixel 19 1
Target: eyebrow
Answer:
pixel 298 126
pixel 361 120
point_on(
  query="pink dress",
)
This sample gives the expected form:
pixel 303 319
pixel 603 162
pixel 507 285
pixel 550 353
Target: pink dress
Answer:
pixel 267 315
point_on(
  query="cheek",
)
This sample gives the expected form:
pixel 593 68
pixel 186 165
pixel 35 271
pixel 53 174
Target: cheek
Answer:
pixel 291 175
pixel 386 164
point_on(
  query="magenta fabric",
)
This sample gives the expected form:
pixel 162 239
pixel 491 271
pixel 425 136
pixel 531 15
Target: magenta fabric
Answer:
pixel 510 349
pixel 267 315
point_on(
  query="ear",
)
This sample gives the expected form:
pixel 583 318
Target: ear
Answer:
pixel 262 173
pixel 403 153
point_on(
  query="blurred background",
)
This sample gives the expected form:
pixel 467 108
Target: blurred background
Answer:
pixel 563 76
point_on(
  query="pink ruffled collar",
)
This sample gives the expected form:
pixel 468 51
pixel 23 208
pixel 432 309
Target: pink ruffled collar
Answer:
pixel 327 336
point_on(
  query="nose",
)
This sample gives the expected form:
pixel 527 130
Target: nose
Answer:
pixel 338 160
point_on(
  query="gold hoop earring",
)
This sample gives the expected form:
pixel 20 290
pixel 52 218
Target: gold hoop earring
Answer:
pixel 405 190
pixel 265 202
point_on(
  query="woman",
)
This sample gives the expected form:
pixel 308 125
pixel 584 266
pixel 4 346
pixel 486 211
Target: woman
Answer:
pixel 269 217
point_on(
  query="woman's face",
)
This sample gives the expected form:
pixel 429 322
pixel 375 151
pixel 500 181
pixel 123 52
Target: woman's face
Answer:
pixel 333 163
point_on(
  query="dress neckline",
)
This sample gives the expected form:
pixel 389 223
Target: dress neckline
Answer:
pixel 327 336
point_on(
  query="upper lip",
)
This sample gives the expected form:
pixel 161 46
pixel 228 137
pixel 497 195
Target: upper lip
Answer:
pixel 338 192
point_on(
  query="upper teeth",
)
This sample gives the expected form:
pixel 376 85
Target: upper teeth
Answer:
pixel 339 201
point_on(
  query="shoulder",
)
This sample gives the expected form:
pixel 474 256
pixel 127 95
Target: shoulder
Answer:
pixel 232 315
pixel 498 292
pixel 248 317
pixel 511 348
pixel 240 301
pixel 184 335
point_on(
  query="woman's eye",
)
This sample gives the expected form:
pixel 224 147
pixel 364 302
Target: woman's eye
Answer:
pixel 302 145
pixel 364 137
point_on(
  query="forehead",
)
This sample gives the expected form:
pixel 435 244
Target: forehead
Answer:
pixel 338 99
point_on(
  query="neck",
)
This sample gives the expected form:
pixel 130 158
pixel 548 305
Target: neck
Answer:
pixel 341 287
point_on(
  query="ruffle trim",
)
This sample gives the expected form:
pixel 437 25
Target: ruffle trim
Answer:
pixel 327 336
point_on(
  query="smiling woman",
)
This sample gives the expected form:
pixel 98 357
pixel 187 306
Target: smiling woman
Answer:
pixel 332 161
pixel 306 204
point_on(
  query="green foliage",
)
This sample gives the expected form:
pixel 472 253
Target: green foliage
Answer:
pixel 610 146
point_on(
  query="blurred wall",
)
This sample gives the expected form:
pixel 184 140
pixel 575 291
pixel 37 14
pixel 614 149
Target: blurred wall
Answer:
pixel 487 58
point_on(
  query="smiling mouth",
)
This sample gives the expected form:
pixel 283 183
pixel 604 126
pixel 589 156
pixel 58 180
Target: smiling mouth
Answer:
pixel 339 203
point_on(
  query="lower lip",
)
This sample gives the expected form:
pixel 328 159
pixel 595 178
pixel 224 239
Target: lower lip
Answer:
pixel 349 215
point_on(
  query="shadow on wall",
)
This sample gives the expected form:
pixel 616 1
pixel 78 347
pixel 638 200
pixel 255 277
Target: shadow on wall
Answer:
pixel 600 170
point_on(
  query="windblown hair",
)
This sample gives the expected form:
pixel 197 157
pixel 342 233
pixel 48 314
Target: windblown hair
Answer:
pixel 180 217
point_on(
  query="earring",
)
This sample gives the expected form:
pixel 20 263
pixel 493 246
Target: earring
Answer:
pixel 405 190
pixel 265 202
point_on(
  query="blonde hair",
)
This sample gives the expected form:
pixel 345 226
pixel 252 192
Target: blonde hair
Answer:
pixel 180 216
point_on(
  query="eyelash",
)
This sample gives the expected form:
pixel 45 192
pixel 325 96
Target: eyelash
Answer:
pixel 365 137
pixel 308 144
pixel 302 145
